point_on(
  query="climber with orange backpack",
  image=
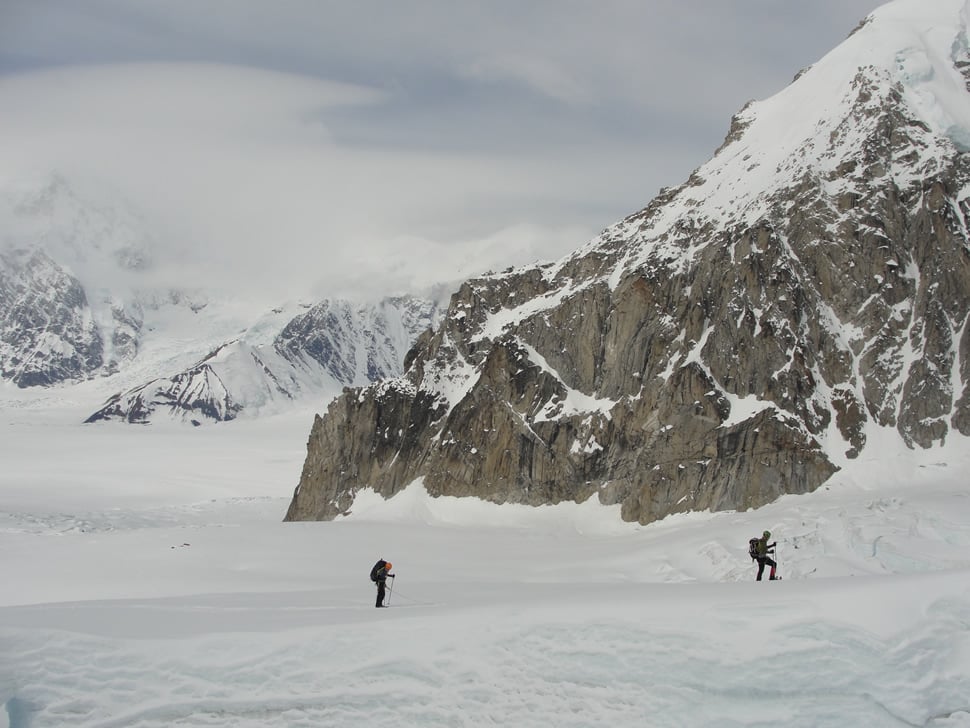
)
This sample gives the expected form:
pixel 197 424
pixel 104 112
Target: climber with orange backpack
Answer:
pixel 379 575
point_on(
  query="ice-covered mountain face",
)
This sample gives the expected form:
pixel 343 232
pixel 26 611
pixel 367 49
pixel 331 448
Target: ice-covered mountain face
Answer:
pixel 54 325
pixel 48 333
pixel 80 300
pixel 331 345
pixel 356 344
pixel 803 295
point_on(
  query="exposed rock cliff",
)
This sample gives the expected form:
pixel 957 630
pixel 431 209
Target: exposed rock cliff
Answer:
pixel 733 341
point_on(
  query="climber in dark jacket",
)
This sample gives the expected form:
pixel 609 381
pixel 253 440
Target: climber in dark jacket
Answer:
pixel 765 548
pixel 379 574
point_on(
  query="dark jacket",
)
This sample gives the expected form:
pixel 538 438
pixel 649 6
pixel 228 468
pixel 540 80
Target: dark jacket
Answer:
pixel 382 574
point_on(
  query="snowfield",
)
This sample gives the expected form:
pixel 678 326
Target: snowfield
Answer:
pixel 148 580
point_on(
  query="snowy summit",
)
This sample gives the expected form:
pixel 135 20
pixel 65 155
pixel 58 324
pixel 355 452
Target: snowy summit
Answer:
pixel 801 297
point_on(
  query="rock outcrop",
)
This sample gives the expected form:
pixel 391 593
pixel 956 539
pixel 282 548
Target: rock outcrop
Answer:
pixel 737 339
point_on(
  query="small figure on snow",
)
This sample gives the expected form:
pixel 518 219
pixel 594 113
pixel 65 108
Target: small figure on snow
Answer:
pixel 762 549
pixel 379 575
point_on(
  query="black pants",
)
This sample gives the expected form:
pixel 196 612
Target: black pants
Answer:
pixel 380 593
pixel 762 560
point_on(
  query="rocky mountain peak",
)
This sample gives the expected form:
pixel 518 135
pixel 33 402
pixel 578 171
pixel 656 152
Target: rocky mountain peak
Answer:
pixel 802 292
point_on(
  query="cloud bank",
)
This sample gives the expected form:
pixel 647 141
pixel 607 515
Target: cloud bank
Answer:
pixel 372 148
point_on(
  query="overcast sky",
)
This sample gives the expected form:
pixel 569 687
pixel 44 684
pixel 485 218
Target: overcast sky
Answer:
pixel 388 145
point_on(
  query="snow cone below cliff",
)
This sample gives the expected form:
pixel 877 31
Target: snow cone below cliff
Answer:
pixel 741 337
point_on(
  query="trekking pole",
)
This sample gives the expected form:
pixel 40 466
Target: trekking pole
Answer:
pixel 390 591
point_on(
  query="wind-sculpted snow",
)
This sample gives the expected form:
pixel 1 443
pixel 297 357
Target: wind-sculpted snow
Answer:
pixel 426 666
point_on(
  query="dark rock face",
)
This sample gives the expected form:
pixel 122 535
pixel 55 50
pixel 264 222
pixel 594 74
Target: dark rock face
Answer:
pixel 712 351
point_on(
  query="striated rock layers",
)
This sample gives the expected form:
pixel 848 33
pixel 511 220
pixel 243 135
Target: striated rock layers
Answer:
pixel 735 340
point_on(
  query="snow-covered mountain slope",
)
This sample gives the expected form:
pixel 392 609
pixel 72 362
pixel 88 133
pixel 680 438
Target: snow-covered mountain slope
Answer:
pixel 48 333
pixel 745 335
pixel 66 264
pixel 332 345
pixel 81 299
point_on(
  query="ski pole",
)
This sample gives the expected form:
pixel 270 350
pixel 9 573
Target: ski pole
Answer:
pixel 390 591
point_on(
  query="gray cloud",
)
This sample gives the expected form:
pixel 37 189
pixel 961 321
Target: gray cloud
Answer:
pixel 390 144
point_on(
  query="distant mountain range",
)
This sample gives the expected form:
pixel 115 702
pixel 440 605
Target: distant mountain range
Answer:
pixel 804 297
pixel 332 345
pixel 74 306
